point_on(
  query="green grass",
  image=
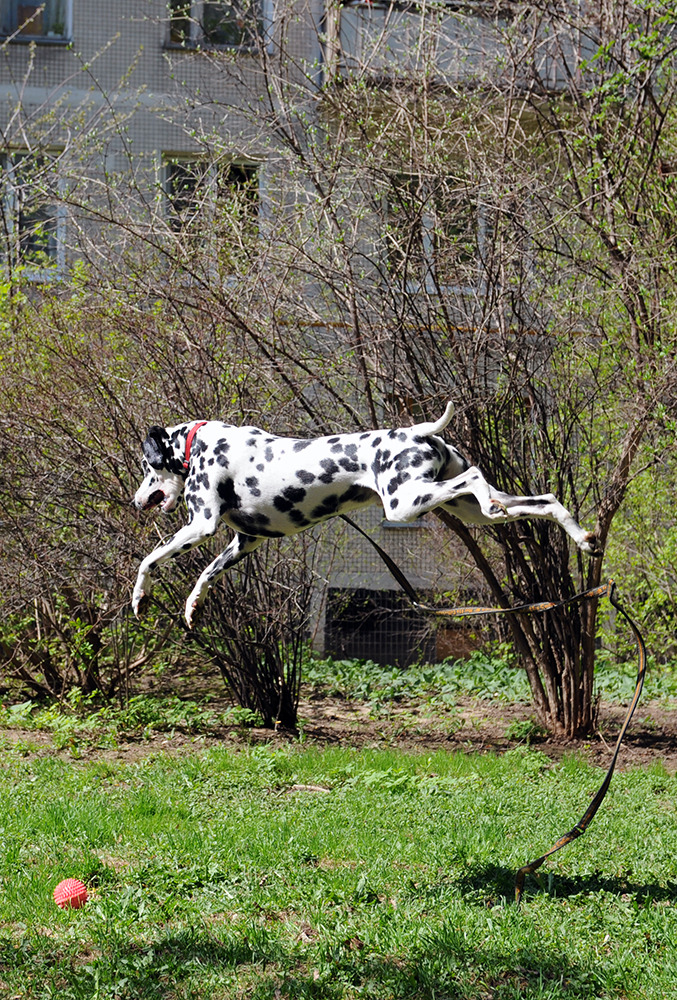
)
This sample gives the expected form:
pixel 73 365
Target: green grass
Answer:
pixel 296 872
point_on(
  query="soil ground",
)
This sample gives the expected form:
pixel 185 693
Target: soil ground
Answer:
pixel 471 725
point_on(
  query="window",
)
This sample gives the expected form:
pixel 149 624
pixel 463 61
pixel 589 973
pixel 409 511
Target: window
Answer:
pixel 213 205
pixel 196 189
pixel 432 232
pixel 234 24
pixel 457 234
pixel 237 192
pixel 49 19
pixel 407 228
pixel 34 220
pixel 185 185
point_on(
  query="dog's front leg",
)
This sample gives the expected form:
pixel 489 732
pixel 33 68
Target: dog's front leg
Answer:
pixel 240 547
pixel 185 538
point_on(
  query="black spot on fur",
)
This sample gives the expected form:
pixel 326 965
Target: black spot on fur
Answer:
pixel 330 470
pixel 281 504
pixel 327 508
pixel 380 463
pixel 299 518
pixel 229 498
pixel 288 498
pixel 305 477
pixel 355 494
pixel 249 524
pixel 397 481
pixel 302 443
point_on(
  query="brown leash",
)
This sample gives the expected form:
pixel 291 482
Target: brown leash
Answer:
pixel 605 590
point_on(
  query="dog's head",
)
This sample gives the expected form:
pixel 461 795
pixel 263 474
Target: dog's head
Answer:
pixel 163 467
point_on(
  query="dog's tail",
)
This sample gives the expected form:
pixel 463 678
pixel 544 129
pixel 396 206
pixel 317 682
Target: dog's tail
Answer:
pixel 425 430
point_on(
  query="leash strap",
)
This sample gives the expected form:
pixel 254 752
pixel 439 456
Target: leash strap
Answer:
pixel 467 612
pixel 579 829
pixel 605 590
pixel 189 440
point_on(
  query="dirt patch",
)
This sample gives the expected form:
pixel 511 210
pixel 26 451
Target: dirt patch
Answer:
pixel 485 727
pixel 470 725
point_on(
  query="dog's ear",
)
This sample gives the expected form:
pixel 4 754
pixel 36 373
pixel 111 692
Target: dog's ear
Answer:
pixel 156 447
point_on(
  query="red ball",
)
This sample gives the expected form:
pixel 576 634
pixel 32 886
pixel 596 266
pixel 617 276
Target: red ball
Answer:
pixel 71 892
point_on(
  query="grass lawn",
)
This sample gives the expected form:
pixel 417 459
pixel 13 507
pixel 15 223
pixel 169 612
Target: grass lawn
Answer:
pixel 285 871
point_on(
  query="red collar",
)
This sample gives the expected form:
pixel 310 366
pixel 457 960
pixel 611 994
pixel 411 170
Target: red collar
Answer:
pixel 189 440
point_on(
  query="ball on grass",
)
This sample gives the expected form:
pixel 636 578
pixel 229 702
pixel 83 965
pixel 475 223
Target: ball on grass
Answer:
pixel 70 893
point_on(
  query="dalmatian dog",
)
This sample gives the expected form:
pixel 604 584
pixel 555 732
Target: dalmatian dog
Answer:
pixel 263 486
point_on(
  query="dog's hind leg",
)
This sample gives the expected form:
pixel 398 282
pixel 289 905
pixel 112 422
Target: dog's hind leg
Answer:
pixel 516 508
pixel 406 499
pixel 548 506
pixel 240 547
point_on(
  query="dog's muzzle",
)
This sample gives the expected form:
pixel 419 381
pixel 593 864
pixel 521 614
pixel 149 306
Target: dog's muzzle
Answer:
pixel 156 498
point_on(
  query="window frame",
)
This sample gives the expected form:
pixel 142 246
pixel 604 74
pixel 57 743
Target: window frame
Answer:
pixel 195 38
pixel 12 191
pixel 427 276
pixel 210 179
pixel 9 16
pixel 200 230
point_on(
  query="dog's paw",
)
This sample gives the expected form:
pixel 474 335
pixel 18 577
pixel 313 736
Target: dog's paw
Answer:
pixel 193 605
pixel 139 604
pixel 497 509
pixel 591 545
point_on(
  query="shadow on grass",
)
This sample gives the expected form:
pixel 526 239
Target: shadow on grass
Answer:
pixel 497 882
pixel 444 961
pixel 130 971
pixel 444 964
pixel 197 963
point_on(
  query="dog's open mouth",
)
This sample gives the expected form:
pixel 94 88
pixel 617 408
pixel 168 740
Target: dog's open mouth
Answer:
pixel 154 500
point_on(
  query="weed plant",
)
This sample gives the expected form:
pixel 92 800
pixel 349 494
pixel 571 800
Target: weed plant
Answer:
pixel 76 723
pixel 489 676
pixel 295 872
